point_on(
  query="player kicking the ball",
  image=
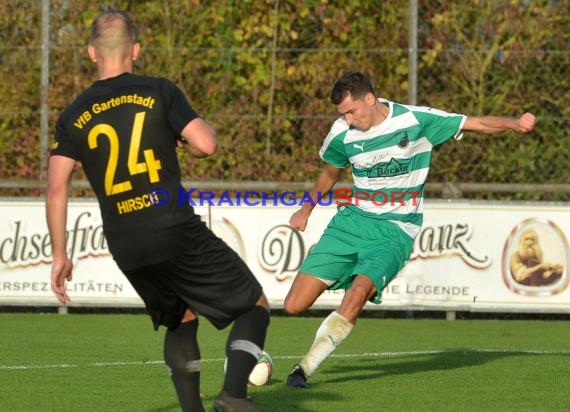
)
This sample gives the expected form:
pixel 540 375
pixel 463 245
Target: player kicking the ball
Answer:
pixel 388 147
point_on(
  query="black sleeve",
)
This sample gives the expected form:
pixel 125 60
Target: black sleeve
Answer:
pixel 179 110
pixel 63 145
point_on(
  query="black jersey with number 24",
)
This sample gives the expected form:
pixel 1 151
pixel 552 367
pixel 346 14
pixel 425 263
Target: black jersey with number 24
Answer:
pixel 123 130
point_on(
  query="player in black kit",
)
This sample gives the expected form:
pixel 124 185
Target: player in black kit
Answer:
pixel 124 129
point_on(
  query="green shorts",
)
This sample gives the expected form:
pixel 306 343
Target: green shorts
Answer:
pixel 353 244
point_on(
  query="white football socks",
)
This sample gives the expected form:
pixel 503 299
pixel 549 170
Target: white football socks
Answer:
pixel 334 329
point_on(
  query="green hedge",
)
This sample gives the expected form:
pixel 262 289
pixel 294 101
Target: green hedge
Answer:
pixel 261 72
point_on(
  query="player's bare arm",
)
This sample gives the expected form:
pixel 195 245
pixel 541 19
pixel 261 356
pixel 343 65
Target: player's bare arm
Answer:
pixel 59 176
pixel 199 138
pixel 324 184
pixel 497 124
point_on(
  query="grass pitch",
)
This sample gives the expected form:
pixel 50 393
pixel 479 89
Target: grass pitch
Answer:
pixel 61 363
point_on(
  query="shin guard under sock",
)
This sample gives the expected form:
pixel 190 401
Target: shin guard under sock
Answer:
pixel 243 349
pixel 334 329
pixel 182 357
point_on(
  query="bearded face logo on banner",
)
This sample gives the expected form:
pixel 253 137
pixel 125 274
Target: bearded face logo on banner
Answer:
pixel 535 258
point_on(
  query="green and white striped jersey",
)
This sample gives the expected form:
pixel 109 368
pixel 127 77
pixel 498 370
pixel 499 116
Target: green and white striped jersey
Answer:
pixel 390 161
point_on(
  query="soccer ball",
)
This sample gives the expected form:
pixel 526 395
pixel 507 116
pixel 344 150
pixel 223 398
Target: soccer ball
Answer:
pixel 261 372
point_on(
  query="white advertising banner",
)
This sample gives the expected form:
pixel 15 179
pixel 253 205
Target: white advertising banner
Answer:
pixel 468 256
pixel 25 258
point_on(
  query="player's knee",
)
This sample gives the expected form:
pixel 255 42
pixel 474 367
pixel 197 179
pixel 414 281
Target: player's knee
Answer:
pixel 292 306
pixel 189 316
pixel 263 302
pixel 362 289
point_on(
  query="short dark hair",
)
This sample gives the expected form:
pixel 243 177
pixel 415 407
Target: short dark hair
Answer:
pixel 110 17
pixel 351 83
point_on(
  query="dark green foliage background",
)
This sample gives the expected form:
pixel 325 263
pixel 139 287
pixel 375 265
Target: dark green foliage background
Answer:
pixel 261 72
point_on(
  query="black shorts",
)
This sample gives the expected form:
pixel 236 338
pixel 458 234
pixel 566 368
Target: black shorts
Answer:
pixel 206 276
